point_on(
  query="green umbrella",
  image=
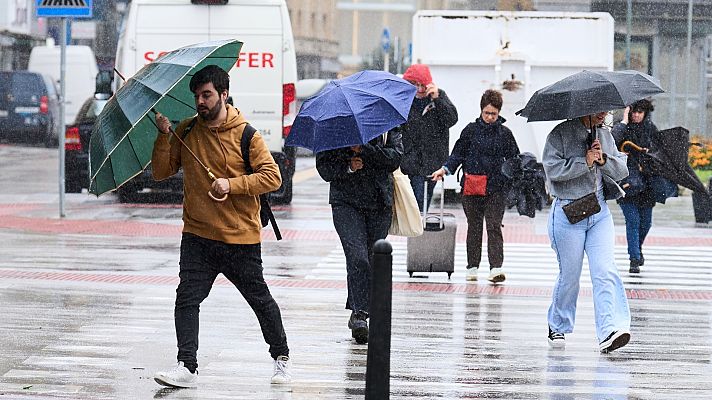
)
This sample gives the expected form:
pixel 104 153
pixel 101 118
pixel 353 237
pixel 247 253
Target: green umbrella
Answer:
pixel 122 140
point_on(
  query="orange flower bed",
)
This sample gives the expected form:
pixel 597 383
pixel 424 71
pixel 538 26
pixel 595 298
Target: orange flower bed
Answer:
pixel 700 157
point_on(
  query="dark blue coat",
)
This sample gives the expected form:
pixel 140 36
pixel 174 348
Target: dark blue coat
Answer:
pixel 482 149
pixel 370 187
pixel 638 186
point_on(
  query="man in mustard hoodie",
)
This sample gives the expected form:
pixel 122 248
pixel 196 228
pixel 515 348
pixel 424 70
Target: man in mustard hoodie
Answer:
pixel 218 237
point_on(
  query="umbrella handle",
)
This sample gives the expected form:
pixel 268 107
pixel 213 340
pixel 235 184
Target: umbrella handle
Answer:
pixel 210 192
pixel 212 196
pixel 632 145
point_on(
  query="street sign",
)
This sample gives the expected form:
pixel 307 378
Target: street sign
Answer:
pixel 64 8
pixel 386 40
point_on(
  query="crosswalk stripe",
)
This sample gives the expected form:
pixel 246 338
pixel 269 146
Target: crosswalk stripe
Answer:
pixel 678 268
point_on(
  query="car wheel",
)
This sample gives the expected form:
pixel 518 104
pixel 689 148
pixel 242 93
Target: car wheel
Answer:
pixel 284 194
pixel 50 139
pixel 71 186
pixel 127 194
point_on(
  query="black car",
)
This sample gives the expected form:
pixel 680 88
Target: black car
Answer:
pixel 76 146
pixel 29 108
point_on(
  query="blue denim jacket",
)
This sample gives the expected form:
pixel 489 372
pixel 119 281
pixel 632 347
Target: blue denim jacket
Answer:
pixel 564 162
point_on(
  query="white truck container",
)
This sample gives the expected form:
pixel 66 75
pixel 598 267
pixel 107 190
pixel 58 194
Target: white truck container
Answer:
pixel 262 84
pixel 516 53
pixel 81 71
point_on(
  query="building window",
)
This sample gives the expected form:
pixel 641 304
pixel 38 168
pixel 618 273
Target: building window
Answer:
pixel 641 53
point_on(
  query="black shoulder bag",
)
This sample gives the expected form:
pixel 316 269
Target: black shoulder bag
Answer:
pixel 266 214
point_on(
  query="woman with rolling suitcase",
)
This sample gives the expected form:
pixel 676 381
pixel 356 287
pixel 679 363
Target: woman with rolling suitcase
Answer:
pixel 483 146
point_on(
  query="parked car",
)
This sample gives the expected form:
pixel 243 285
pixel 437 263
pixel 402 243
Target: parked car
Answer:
pixel 76 146
pixel 29 108
pixel 142 187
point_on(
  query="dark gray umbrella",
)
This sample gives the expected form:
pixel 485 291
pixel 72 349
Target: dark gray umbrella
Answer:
pixel 589 92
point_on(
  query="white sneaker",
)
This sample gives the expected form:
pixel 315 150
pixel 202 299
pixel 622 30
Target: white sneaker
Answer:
pixel 281 371
pixel 178 376
pixel 496 275
pixel 471 274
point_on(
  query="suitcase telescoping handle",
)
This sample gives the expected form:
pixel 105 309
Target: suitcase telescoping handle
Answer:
pixel 425 204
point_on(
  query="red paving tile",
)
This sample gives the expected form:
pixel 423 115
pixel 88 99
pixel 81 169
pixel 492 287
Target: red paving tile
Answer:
pixel 517 291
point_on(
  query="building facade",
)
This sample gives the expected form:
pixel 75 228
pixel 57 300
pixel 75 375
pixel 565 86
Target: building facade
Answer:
pixel 314 29
pixel 20 31
pixel 659 47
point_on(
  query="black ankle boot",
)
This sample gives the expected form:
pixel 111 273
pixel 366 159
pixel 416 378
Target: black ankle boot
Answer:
pixel 634 266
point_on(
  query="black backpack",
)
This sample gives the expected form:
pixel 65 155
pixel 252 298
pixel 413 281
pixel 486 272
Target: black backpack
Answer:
pixel 266 214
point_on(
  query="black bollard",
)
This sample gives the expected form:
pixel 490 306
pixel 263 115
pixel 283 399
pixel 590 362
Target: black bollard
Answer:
pixel 378 363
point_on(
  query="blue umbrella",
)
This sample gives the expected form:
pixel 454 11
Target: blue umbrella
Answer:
pixel 352 111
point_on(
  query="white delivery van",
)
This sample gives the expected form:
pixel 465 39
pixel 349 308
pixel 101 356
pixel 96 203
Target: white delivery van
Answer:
pixel 81 71
pixel 262 84
pixel 514 52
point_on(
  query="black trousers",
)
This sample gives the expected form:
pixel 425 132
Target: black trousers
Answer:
pixel 201 260
pixel 489 209
pixel 359 229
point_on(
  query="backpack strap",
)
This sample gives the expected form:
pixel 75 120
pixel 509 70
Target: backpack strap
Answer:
pixel 247 133
pixel 189 127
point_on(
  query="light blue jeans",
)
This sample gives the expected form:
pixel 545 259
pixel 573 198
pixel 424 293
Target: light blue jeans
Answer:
pixel 595 236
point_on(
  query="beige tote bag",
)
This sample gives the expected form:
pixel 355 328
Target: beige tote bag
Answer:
pixel 406 215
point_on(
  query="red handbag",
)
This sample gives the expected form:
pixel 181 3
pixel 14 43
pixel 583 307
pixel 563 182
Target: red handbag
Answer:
pixel 475 185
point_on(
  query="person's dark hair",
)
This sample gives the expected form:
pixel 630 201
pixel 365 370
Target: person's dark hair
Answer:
pixel 491 97
pixel 644 105
pixel 211 74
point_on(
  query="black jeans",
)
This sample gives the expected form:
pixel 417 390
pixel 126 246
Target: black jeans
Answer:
pixel 359 229
pixel 201 260
pixel 489 208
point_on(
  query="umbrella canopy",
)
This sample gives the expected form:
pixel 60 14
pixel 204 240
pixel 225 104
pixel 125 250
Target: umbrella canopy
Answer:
pixel 352 111
pixel 121 143
pixel 668 158
pixel 589 92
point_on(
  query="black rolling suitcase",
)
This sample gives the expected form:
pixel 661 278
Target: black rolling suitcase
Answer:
pixel 434 250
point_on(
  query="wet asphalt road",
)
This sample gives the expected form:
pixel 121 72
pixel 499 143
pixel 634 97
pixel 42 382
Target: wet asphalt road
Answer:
pixel 87 308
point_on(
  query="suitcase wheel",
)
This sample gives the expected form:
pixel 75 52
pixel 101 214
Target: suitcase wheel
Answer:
pixel 448 275
pixel 410 274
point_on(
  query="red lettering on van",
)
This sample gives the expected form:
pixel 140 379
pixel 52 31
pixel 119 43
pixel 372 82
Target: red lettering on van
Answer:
pixel 255 60
pixel 267 59
pixel 151 56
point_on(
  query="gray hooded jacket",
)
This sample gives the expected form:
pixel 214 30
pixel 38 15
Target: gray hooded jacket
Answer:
pixel 564 162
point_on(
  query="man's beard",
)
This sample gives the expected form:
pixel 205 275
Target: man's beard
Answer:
pixel 211 114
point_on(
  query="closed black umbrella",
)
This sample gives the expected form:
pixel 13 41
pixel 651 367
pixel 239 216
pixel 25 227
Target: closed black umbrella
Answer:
pixel 587 93
pixel 528 184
